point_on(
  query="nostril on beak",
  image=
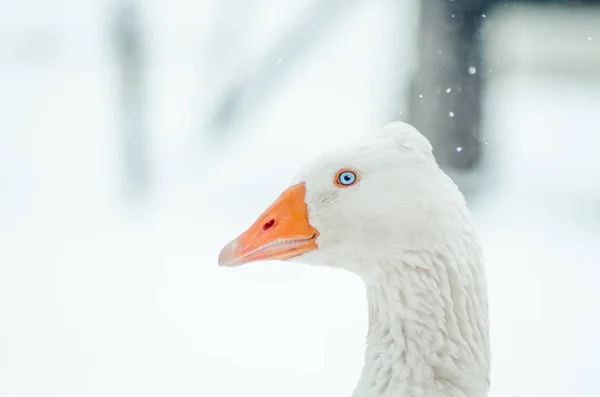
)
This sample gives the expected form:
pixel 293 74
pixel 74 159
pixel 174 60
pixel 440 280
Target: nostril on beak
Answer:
pixel 269 224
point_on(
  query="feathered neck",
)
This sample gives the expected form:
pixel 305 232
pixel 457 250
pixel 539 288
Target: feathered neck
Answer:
pixel 428 326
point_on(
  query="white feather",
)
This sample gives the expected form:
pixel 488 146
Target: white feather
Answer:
pixel 405 229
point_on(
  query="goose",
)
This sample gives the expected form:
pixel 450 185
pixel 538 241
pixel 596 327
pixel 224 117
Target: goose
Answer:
pixel 381 208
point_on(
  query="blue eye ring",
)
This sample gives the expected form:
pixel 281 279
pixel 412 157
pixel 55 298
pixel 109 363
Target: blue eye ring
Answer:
pixel 345 178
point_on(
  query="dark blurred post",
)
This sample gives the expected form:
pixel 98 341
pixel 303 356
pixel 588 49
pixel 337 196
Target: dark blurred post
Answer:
pixel 134 130
pixel 445 98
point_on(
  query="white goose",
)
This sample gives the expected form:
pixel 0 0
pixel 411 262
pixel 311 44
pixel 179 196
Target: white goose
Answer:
pixel 383 209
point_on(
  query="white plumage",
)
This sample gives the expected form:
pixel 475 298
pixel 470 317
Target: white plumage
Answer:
pixel 405 229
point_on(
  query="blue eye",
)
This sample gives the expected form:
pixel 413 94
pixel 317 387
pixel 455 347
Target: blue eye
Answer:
pixel 346 178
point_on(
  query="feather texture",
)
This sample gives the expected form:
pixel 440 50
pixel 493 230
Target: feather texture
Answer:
pixel 404 227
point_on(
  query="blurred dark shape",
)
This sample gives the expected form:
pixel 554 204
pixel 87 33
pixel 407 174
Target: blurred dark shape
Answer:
pixel 446 92
pixel 229 107
pixel 134 131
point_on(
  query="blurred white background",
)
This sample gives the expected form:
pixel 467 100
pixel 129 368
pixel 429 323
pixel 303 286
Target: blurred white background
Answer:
pixel 137 138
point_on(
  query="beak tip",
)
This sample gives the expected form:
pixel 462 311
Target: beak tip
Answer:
pixel 227 255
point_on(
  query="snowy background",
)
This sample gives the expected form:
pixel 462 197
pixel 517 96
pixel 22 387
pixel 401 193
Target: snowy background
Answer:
pixel 111 290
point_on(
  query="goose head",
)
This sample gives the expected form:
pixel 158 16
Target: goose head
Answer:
pixel 382 208
pixel 354 207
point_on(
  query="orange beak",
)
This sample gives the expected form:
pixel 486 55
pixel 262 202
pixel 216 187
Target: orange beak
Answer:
pixel 281 232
